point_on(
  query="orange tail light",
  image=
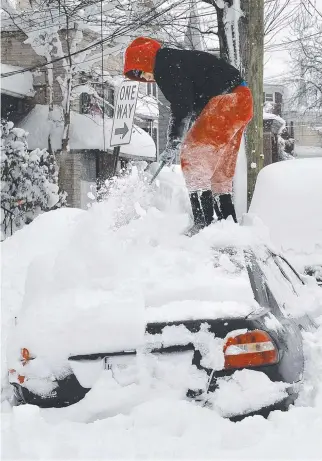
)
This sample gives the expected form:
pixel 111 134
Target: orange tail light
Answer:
pixel 251 349
pixel 25 355
pixel 21 379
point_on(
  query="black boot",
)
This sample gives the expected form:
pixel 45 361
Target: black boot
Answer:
pixel 197 212
pixel 202 210
pixel 227 207
pixel 207 205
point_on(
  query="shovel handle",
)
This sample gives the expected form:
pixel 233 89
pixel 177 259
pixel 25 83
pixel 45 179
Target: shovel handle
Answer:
pixel 156 174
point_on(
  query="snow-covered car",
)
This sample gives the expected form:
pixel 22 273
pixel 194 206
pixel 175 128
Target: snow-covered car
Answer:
pixel 288 198
pixel 234 344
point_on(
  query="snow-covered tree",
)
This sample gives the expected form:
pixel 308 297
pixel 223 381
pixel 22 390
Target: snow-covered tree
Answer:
pixel 29 180
pixel 306 53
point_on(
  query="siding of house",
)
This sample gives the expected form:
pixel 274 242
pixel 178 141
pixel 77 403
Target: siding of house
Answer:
pixel 17 53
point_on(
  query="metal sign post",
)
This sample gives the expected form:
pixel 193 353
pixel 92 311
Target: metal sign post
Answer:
pixel 123 118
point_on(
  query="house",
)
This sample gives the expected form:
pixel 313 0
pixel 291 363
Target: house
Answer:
pixel 273 94
pixel 25 99
pixel 304 125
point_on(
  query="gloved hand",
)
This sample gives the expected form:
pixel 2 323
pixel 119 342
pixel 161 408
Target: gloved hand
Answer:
pixel 168 155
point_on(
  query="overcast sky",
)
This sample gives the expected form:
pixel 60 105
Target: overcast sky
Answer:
pixel 277 61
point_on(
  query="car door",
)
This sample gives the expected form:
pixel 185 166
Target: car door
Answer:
pixel 284 303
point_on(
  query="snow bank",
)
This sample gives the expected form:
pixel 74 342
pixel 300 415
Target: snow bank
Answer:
pixel 86 132
pixel 288 198
pixel 18 85
pixel 115 422
pixel 120 264
pixel 18 252
pixel 307 151
pixel 102 284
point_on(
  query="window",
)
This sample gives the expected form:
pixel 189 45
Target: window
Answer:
pixel 153 131
pixel 280 286
pixel 89 104
pixel 149 127
pixel 289 273
pixel 269 97
pixel 151 89
pixel 110 95
pixel 84 102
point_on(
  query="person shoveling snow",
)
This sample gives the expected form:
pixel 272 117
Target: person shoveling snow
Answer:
pixel 210 107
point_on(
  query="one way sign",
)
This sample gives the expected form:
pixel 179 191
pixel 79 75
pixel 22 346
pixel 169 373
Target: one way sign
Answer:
pixel 124 113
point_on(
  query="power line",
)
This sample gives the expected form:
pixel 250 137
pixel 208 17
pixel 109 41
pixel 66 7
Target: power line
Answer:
pixel 129 27
pixel 102 75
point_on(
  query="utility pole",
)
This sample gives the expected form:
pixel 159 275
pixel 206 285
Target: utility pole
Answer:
pixel 251 27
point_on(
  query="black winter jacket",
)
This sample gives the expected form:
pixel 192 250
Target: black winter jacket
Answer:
pixel 188 80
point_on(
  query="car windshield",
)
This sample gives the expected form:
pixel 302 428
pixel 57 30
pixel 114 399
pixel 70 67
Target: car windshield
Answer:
pixel 221 288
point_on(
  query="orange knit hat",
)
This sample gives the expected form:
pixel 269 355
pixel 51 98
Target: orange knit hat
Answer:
pixel 140 55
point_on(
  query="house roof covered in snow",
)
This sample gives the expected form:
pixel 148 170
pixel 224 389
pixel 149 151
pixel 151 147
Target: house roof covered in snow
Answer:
pixel 86 133
pixel 18 85
pixel 147 107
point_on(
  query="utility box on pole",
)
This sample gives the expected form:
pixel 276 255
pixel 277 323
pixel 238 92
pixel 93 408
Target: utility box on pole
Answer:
pixel 123 117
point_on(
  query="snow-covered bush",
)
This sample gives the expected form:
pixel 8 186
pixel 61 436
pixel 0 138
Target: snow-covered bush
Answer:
pixel 29 180
pixel 285 144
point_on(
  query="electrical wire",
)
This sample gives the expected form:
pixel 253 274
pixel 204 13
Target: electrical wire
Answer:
pixel 102 75
pixel 132 26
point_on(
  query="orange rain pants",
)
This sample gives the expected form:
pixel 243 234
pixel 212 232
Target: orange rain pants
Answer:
pixel 209 151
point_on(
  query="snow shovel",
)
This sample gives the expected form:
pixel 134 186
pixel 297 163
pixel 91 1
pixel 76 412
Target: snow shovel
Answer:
pixel 156 174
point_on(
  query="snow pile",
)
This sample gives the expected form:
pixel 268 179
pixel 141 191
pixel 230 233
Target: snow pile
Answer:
pixel 126 260
pixel 73 278
pixel 115 422
pixel 308 151
pixel 18 252
pixel 246 391
pixel 287 198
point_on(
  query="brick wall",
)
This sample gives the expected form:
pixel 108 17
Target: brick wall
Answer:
pixel 17 53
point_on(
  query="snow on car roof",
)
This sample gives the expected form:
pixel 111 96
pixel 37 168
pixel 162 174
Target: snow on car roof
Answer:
pixel 288 198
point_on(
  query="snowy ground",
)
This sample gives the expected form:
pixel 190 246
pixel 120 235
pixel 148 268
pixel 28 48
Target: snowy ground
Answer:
pixel 115 422
pixel 307 151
